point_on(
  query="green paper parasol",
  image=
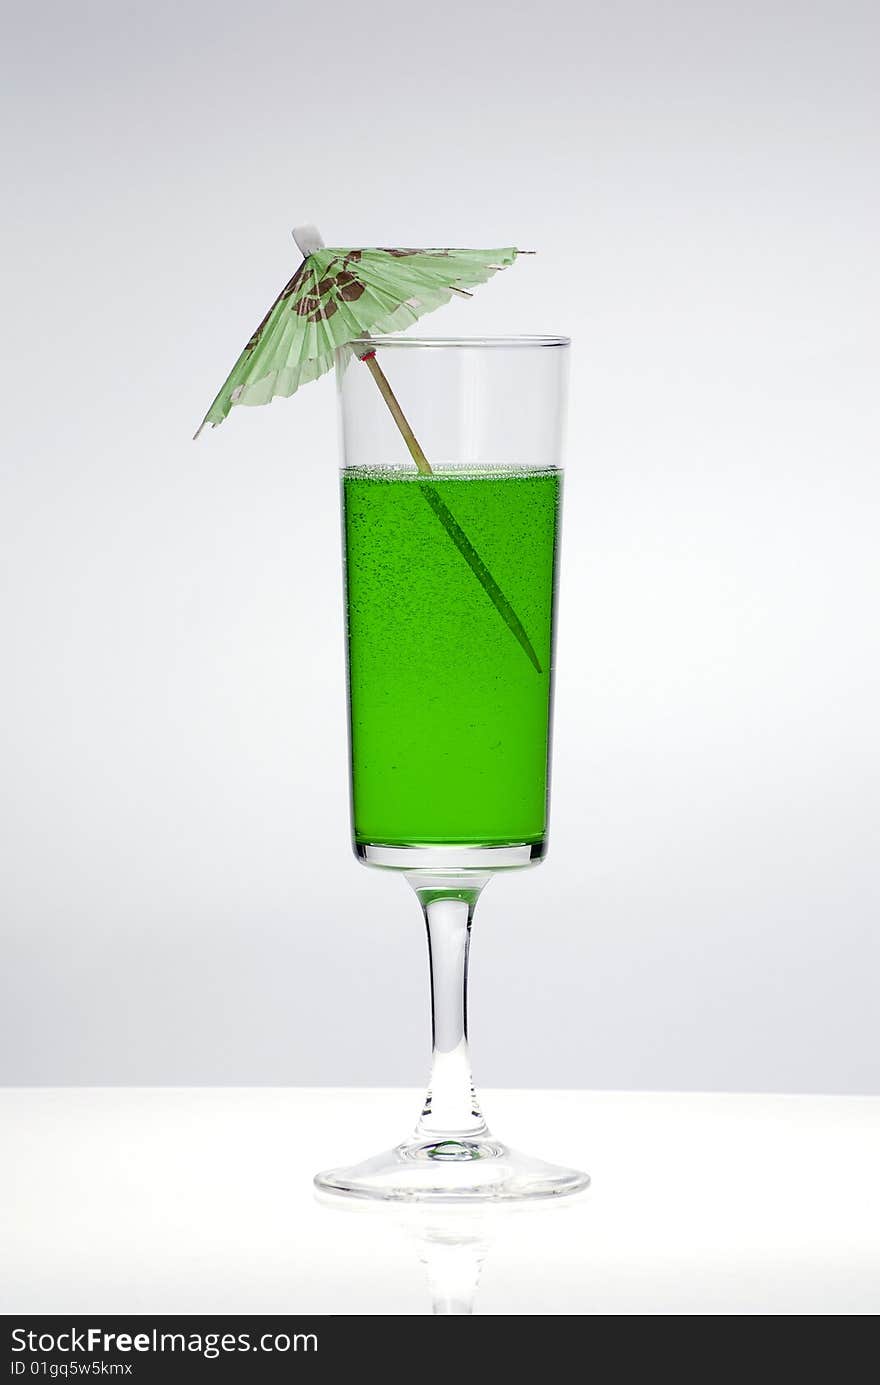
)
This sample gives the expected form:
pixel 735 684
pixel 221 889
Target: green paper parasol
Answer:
pixel 335 300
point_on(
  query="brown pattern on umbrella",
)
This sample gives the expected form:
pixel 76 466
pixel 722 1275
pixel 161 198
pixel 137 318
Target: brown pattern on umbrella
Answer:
pixel 349 287
pixel 339 284
pixel 318 303
pixel 289 288
pixel 402 254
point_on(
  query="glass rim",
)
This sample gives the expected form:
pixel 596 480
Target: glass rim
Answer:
pixel 393 339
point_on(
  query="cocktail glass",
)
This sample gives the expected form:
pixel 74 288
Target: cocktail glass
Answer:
pixel 450 591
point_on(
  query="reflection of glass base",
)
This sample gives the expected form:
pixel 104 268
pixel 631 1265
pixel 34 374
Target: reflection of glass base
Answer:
pixel 467 1170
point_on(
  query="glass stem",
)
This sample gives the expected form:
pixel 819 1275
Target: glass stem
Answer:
pixel 451 1108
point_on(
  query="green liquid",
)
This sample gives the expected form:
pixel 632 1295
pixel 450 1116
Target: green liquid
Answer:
pixel 450 721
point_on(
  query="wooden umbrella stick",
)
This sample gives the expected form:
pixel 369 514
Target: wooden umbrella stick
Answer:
pixel 446 517
pixel 397 413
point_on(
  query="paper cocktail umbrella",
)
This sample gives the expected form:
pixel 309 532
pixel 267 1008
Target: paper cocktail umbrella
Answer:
pixel 336 299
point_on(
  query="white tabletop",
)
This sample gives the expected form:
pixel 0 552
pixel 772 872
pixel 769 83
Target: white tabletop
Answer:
pixel 140 1200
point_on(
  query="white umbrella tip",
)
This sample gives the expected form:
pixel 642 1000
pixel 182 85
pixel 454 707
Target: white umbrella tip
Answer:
pixel 308 239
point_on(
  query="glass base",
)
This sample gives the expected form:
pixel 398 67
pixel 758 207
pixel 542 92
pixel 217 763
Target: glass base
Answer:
pixel 452 1170
pixel 447 861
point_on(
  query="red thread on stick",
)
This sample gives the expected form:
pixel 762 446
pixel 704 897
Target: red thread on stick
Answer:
pixel 368 356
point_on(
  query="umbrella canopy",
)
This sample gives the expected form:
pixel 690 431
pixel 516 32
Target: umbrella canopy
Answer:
pixel 337 296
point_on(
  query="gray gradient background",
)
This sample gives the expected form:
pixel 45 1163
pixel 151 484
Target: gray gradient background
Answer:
pixel 179 902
